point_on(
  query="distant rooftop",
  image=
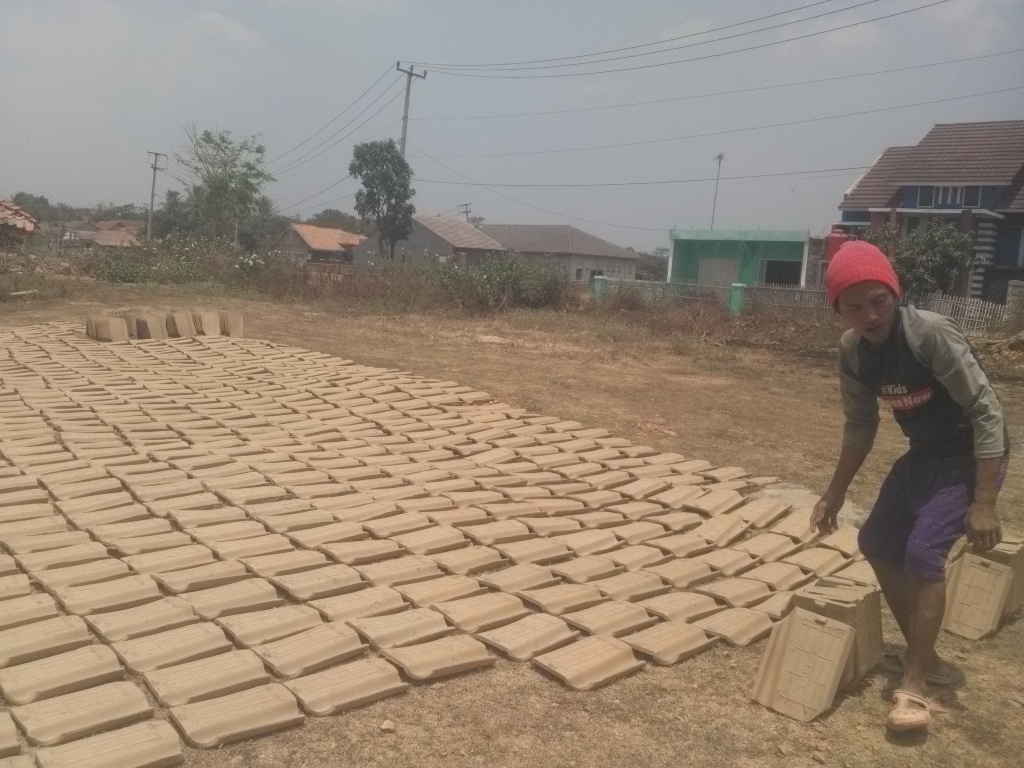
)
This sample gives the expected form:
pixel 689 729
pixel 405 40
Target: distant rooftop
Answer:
pixel 554 238
pixel 748 235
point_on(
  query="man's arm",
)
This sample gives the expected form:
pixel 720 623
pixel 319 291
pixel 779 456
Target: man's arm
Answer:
pixel 826 511
pixel 944 347
pixel 860 407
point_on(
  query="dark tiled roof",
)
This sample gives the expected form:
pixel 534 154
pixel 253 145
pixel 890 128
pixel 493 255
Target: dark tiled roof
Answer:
pixel 966 153
pixel 554 238
pixel 878 187
pixel 459 233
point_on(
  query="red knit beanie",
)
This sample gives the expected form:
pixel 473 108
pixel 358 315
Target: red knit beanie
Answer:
pixel 858 262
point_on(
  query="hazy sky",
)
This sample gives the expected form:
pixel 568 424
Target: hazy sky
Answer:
pixel 88 86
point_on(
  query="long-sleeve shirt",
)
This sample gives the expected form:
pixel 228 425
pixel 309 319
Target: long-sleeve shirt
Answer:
pixel 929 375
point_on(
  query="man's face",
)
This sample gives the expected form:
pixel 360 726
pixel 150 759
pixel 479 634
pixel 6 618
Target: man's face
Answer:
pixel 870 309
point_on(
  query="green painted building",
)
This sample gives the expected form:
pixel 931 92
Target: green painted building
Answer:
pixel 751 257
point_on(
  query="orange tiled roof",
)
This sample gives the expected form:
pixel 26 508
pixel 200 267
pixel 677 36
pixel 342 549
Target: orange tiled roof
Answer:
pixel 324 239
pixel 13 216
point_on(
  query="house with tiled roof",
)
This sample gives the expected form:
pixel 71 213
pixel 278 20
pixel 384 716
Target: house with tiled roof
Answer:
pixel 581 255
pixel 15 223
pixel 434 238
pixel 308 242
pixel 968 174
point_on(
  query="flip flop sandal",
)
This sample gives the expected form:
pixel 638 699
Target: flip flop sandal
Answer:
pixel 896 663
pixel 909 712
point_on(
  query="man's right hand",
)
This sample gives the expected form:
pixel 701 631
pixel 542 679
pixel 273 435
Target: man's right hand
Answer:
pixel 825 516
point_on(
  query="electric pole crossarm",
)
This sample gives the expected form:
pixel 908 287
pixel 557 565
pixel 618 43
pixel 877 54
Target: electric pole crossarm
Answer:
pixel 409 73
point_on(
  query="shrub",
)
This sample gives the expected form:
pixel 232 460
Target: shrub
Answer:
pixel 177 258
pixel 501 283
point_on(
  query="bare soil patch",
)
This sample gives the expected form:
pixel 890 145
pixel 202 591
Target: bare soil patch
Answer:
pixel 773 412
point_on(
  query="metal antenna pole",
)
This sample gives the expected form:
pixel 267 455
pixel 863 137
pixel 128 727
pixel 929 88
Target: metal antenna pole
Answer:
pixel 409 75
pixel 718 158
pixel 152 192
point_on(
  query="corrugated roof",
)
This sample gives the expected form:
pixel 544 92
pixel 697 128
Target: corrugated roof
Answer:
pixel 324 239
pixel 13 216
pixel 744 235
pixel 459 233
pixel 114 238
pixel 554 238
pixel 966 153
pixel 878 187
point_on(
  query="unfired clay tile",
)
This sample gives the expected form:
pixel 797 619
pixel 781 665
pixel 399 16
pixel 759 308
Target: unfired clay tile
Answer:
pixel 563 598
pixel 768 547
pixel 284 563
pixel 322 646
pixel 818 560
pixel 112 595
pixel 580 570
pixel 393 525
pixel 977 590
pixel 796 525
pixel 590 663
pixel 634 558
pixel 598 519
pixel 588 542
pixel 425 594
pixel 761 513
pixel 84 667
pixel 402 570
pixel 530 636
pixel 681 606
pixel 737 626
pixel 374 601
pixel 238 716
pixel 803 664
pixel 728 562
pixel 777 606
pixel 152 744
pixel 26 609
pixel 258 627
pixel 139 545
pixel 347 686
pixel 14 586
pixel 400 629
pixel 670 642
pixel 844 540
pixel 150 618
pixel 42 638
pixel 682 544
pixel 736 593
pixel 170 559
pixel 613 618
pixel 320 582
pixel 779 576
pixel 859 572
pixel 207 678
pixel 483 612
pixel 175 646
pixel 269 544
pixel 723 530
pixel 438 658
pixel 82 713
pixel 237 597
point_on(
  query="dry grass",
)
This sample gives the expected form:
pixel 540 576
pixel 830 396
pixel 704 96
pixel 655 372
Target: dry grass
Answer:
pixel 771 411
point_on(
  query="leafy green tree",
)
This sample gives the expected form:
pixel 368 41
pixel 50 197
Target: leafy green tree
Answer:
pixel 227 177
pixel 173 215
pixel 332 218
pixel 263 226
pixel 929 259
pixel 384 198
pixel 653 265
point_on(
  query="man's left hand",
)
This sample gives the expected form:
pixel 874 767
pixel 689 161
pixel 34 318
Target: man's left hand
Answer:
pixel 983 529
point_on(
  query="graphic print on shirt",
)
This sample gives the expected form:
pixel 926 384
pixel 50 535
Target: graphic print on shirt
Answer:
pixel 899 398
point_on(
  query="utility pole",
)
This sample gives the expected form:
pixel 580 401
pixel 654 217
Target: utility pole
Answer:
pixel 152 192
pixel 466 210
pixel 718 158
pixel 409 75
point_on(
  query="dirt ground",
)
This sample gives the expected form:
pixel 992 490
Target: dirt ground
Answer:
pixel 774 413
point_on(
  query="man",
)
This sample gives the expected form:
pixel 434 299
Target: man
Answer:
pixel 945 486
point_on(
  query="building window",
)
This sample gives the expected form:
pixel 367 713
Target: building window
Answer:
pixel 782 272
pixel 972 197
pixel 925 197
pixel 579 274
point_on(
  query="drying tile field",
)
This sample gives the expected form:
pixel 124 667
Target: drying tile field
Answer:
pixel 211 539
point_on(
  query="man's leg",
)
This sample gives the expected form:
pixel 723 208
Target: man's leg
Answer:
pixel 927 606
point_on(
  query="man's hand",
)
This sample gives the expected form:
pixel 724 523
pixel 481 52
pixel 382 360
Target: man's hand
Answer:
pixel 826 511
pixel 983 529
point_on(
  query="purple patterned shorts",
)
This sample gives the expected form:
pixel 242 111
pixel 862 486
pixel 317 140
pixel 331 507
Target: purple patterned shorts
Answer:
pixel 920 512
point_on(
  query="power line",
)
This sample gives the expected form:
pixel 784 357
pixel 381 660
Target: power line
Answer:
pixel 739 130
pixel 325 189
pixel 324 205
pixel 681 47
pixel 719 93
pixel 658 182
pixel 298 168
pixel 454 73
pixel 298 161
pixel 619 50
pixel 333 119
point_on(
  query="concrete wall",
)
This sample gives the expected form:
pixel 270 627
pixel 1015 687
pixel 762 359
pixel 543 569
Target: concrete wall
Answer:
pixel 583 268
pixel 293 245
pixel 421 244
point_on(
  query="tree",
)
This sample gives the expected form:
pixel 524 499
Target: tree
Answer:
pixel 929 259
pixel 173 215
pixel 228 176
pixel 332 218
pixel 653 265
pixel 477 221
pixel 384 198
